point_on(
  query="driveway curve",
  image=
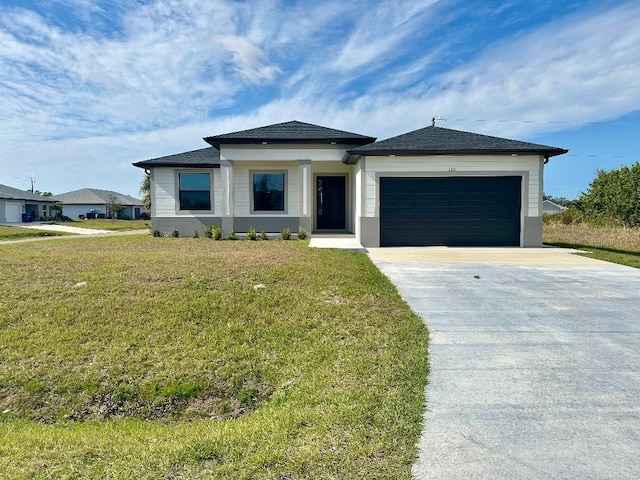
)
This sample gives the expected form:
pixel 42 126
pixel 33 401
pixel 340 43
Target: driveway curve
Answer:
pixel 535 362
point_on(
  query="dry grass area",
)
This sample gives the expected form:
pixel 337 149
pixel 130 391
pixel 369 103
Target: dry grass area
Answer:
pixel 617 237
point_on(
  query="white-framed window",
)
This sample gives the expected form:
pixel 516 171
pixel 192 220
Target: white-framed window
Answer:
pixel 269 191
pixel 194 190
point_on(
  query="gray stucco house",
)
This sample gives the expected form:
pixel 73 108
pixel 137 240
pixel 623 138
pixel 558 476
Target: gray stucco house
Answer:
pixel 551 207
pixel 431 186
pixel 95 201
pixel 15 204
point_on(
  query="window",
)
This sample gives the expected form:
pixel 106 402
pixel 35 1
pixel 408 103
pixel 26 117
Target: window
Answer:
pixel 268 192
pixel 195 191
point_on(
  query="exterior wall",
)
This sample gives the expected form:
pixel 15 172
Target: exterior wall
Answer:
pixel 277 153
pixel 527 166
pixel 73 211
pixel 164 190
pixel 185 225
pixel 233 189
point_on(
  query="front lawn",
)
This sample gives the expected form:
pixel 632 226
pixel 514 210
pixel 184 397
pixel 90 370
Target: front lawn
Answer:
pixel 140 357
pixel 610 243
pixel 18 233
pixel 108 224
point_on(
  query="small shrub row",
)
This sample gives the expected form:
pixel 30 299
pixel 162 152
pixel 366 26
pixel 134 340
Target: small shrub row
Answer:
pixel 215 233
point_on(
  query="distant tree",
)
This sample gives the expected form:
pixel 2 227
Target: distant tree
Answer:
pixel 613 194
pixel 145 191
pixel 114 207
pixel 44 194
pixel 57 208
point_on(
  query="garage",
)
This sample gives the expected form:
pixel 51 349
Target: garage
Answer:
pixel 12 212
pixel 450 211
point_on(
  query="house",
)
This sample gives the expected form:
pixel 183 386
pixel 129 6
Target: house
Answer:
pixel 431 186
pixel 18 205
pixel 93 202
pixel 550 207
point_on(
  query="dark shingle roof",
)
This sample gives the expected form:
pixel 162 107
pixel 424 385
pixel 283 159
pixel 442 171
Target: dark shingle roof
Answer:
pixel 293 132
pixel 11 193
pixel 438 140
pixel 204 157
pixel 95 196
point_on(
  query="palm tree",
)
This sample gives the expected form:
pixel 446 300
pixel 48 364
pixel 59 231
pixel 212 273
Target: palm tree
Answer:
pixel 145 191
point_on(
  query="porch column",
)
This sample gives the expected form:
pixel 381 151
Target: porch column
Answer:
pixel 306 196
pixel 227 214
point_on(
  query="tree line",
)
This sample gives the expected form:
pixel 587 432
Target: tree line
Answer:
pixel 613 195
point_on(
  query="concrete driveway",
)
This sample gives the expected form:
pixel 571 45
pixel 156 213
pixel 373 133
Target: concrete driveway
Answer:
pixel 535 362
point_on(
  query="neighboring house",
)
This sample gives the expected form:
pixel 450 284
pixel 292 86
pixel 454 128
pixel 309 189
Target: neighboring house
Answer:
pixel 550 207
pixel 18 205
pixel 432 186
pixel 88 202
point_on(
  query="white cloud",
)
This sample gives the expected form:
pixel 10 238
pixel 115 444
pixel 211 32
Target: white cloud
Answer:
pixel 248 59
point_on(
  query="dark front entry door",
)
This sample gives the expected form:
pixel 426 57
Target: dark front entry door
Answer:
pixel 330 202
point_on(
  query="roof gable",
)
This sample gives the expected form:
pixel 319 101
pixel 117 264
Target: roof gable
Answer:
pixel 437 140
pixel 293 132
pixel 95 196
pixel 203 157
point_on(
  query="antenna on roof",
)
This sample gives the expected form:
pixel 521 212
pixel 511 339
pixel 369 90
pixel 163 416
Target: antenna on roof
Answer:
pixel 433 120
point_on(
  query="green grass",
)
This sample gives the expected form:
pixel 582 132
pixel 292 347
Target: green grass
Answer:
pixel 613 255
pixel 168 363
pixel 18 233
pixel 108 224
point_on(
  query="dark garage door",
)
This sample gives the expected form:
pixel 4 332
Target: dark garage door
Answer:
pixel 452 211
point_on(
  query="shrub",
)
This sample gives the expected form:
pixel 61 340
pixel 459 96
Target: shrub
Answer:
pixel 263 235
pixel 196 234
pixel 208 231
pixel 217 232
pixel 302 234
pixel 232 235
pixel 175 233
pixel 285 234
pixel 251 234
pixel 156 233
pixel 571 216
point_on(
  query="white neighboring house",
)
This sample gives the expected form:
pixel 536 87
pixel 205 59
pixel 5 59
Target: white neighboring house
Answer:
pixel 17 205
pixel 431 186
pixel 88 202
pixel 550 207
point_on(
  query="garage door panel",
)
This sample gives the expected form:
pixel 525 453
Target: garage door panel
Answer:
pixel 453 211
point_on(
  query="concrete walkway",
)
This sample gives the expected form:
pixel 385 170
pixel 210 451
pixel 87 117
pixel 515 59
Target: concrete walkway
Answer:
pixel 535 362
pixel 339 242
pixel 76 232
pixel 63 228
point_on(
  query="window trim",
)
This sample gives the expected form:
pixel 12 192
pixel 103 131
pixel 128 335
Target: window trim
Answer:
pixel 285 200
pixel 177 173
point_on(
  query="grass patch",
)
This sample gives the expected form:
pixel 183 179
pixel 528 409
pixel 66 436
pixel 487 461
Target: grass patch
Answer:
pixel 17 233
pixel 108 224
pixel 185 358
pixel 611 243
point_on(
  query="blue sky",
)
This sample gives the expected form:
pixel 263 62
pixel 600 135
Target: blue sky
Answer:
pixel 89 86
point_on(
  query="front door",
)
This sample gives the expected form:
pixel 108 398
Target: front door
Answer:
pixel 330 202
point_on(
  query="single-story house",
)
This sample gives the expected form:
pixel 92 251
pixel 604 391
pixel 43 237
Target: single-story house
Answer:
pixel 18 205
pixel 551 207
pixel 93 202
pixel 431 186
